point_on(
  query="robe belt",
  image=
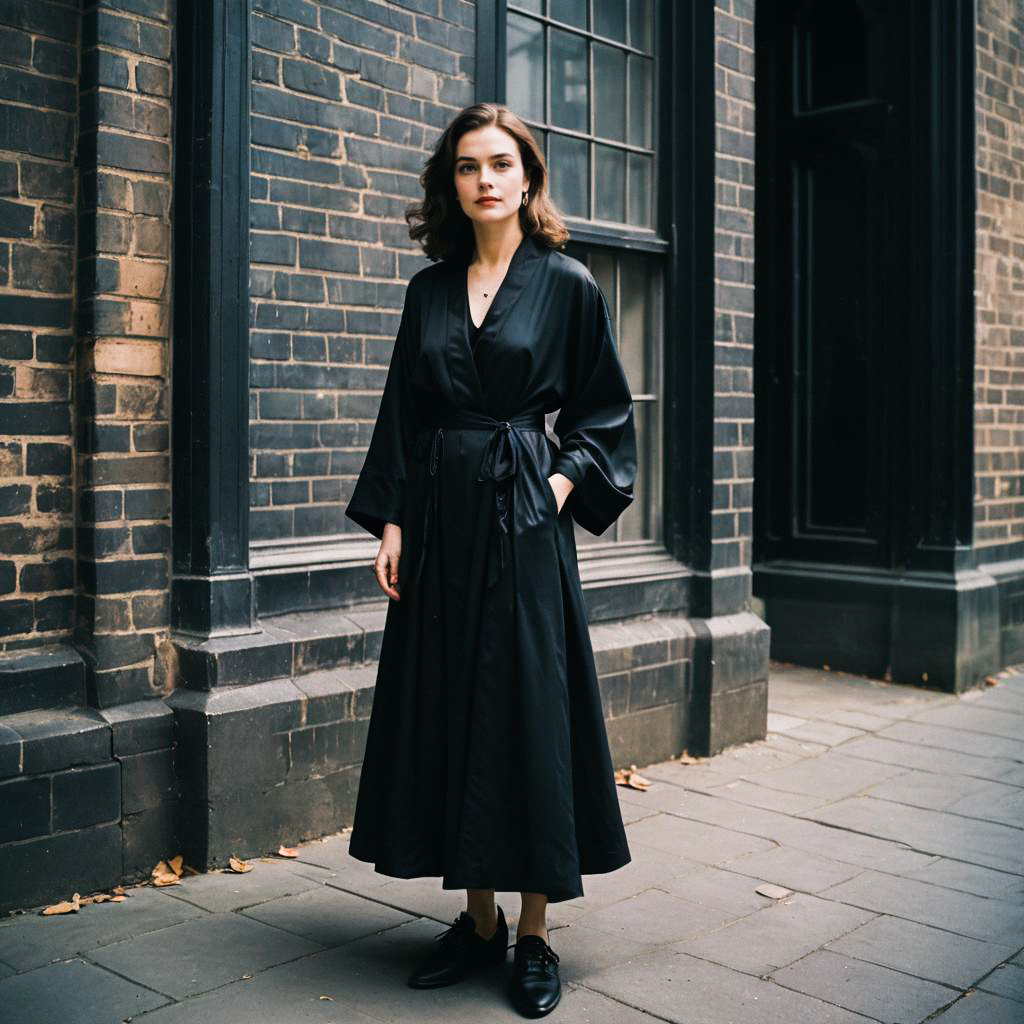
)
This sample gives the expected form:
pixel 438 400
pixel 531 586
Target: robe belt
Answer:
pixel 500 463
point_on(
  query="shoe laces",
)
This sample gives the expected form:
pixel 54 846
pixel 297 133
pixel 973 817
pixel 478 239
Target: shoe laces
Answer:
pixel 537 953
pixel 458 932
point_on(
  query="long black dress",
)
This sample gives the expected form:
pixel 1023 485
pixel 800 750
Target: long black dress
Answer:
pixel 487 760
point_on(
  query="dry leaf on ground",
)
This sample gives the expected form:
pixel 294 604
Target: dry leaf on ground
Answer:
pixel 64 907
pixel 687 758
pixel 239 866
pixel 288 851
pixel 167 872
pixel 631 778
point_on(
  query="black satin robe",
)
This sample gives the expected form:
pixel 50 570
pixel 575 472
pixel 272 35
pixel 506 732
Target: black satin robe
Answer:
pixel 487 760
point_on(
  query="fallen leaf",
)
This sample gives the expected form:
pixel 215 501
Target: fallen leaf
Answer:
pixel 246 977
pixel 773 892
pixel 630 777
pixel 165 874
pixel 239 866
pixel 117 899
pixel 175 864
pixel 64 907
pixel 328 997
pixel 288 851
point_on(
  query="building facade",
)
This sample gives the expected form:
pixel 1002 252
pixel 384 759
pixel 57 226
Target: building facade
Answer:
pixel 203 256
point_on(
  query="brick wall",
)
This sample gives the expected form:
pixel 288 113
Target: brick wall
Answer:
pixel 734 285
pixel 39 94
pixel 123 542
pixel 999 285
pixel 349 97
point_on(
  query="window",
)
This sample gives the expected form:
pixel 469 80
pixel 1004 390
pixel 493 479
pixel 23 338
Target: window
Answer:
pixel 582 74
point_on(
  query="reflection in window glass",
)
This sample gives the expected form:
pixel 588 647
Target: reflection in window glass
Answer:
pixel 597 85
pixel 641 187
pixel 610 186
pixel 610 19
pixel 631 284
pixel 570 186
pixel 568 81
pixel 641 24
pixel 525 89
pixel 572 12
pixel 641 102
pixel 609 95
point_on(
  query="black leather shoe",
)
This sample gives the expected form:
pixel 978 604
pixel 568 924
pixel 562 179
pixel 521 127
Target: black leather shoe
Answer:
pixel 461 951
pixel 536 988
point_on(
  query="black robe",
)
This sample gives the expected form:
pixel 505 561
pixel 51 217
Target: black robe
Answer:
pixel 487 760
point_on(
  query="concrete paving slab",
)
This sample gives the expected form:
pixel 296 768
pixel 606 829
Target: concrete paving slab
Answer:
pixel 933 790
pixel 800 749
pixel 950 835
pixel 955 874
pixel 795 869
pixel 960 912
pixel 1007 981
pixel 201 954
pixel 584 949
pixel 950 737
pixel 851 847
pixel 32 940
pixel 327 916
pixel 996 802
pixel 777 722
pixel 693 840
pixel 222 891
pixel 716 887
pixel 935 759
pixel 980 1008
pixel 774 937
pixel 743 791
pixel 1003 698
pixel 974 718
pixel 863 720
pixel 332 853
pixel 866 988
pixel 685 990
pixel 925 952
pixel 828 733
pixel 73 990
pixel 831 776
pixel 660 917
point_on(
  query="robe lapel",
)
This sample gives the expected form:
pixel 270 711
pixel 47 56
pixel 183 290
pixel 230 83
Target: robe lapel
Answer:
pixel 461 364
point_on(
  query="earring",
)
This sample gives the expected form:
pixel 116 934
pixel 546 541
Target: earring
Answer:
pixel 526 195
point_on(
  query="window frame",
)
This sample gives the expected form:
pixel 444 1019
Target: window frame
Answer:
pixel 636 577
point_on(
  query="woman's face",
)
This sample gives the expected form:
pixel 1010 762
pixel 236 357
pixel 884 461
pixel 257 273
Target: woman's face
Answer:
pixel 487 164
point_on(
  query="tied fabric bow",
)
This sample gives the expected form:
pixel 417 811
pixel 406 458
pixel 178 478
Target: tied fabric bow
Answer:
pixel 500 463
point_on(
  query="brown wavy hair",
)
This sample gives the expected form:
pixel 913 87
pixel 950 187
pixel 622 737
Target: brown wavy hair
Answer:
pixel 441 225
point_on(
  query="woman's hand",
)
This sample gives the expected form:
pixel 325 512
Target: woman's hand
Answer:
pixel 385 565
pixel 561 485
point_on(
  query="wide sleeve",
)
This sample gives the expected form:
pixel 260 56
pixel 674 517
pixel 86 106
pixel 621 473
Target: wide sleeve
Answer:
pixel 379 493
pixel 595 426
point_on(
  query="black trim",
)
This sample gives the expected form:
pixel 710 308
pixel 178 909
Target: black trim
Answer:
pixel 211 590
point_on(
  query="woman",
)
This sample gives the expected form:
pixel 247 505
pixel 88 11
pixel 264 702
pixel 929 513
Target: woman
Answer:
pixel 487 759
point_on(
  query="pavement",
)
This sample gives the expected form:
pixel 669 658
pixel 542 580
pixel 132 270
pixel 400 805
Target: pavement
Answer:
pixel 890 819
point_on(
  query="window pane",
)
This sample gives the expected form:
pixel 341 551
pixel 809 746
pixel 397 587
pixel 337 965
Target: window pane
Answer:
pixel 610 19
pixel 568 80
pixel 640 24
pixel 641 190
pixel 610 196
pixel 570 179
pixel 641 102
pixel 525 86
pixel 572 12
pixel 531 5
pixel 609 95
